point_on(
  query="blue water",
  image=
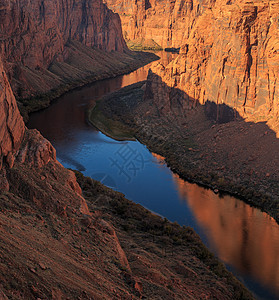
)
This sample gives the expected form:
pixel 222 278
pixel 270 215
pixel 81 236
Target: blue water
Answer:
pixel 127 167
pixel 246 239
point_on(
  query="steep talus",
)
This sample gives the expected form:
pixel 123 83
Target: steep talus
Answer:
pixel 54 244
pixel 36 35
pixel 230 57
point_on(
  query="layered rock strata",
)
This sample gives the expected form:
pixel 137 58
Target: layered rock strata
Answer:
pixel 56 245
pixel 39 40
pixel 12 127
pixel 157 24
pixel 230 58
pixel 229 51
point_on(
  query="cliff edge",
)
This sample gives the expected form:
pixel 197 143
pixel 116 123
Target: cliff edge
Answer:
pixel 54 244
pixel 50 47
pixel 230 58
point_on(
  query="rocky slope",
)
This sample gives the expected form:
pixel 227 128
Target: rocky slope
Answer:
pixel 49 47
pixel 229 51
pixel 157 23
pixel 237 157
pixel 54 244
pixel 12 126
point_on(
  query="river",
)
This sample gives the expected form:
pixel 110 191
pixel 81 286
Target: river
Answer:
pixel 244 238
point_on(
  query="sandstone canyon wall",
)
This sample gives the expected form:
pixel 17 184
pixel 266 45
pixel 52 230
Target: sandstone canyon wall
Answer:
pixel 55 245
pixel 157 23
pixel 52 245
pixel 230 59
pixel 35 35
pixel 11 124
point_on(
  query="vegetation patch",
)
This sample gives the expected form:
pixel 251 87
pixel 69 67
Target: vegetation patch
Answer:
pixel 107 114
pixel 137 227
pixel 110 127
pixel 143 44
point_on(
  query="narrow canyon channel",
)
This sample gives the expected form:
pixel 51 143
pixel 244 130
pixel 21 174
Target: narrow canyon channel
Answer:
pixel 244 238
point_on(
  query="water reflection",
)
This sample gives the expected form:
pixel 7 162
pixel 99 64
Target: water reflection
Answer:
pixel 242 236
pixel 63 119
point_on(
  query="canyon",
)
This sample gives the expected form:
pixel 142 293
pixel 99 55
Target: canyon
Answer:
pixel 64 235
pixel 66 239
pixel 226 72
pixel 212 113
pixel 230 58
pixel 49 47
pixel 229 52
pixel 216 104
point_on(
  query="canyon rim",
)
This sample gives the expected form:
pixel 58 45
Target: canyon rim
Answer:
pixel 212 112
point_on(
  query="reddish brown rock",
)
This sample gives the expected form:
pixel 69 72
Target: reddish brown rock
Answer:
pixel 26 157
pixel 157 23
pixel 231 58
pixel 52 246
pixel 3 296
pixel 36 34
pixel 11 124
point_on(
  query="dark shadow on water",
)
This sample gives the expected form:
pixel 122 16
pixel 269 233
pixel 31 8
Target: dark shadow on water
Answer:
pixel 69 160
pixel 252 252
pixel 242 237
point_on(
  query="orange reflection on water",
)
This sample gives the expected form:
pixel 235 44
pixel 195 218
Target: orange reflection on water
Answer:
pixel 243 236
pixel 159 158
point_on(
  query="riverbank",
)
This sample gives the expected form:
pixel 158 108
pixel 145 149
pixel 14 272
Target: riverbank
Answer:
pixel 58 241
pixel 226 157
pixel 84 66
pixel 159 255
pixel 113 125
pixel 141 44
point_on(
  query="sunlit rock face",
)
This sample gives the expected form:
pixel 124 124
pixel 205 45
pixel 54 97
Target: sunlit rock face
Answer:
pixel 162 22
pixel 231 57
pixel 34 34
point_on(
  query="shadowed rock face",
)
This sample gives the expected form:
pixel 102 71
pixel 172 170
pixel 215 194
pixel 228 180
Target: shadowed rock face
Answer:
pixel 11 124
pixel 25 153
pixel 55 245
pixel 231 56
pixel 33 34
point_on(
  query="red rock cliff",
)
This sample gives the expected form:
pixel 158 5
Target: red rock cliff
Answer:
pixel 231 57
pixel 165 23
pixel 27 154
pixel 54 246
pixel 11 124
pixel 34 34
